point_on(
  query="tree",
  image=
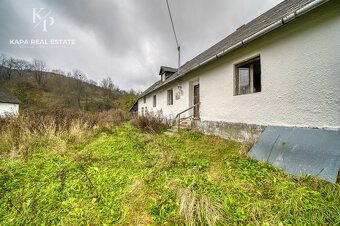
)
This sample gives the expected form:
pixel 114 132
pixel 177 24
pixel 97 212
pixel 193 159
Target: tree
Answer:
pixel 111 92
pixel 3 64
pixel 39 67
pixel 91 82
pixel 58 72
pixel 108 85
pixel 30 81
pixel 7 65
pixel 20 66
pixel 127 101
pixel 79 80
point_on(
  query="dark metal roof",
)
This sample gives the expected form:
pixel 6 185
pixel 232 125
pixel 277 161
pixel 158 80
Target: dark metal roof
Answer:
pixel 7 97
pixel 266 19
pixel 167 69
pixel 134 103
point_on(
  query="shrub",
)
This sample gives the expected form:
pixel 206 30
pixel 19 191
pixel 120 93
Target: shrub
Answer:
pixel 112 116
pixel 20 134
pixel 149 123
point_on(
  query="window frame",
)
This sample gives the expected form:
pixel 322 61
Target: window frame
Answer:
pixel 154 101
pixel 170 101
pixel 249 64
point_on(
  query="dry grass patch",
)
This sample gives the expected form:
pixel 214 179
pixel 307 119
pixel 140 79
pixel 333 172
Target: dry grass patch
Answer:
pixel 33 130
pixel 197 209
pixel 151 124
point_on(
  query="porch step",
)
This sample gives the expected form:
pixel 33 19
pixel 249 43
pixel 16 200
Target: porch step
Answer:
pixel 174 130
pixel 185 122
pixel 169 133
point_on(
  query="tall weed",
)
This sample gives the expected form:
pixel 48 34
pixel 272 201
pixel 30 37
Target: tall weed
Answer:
pixel 150 123
pixel 32 130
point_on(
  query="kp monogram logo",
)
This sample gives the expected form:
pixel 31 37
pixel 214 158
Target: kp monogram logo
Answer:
pixel 43 18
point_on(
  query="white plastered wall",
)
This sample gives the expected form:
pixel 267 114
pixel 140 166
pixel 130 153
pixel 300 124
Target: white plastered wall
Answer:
pixel 8 109
pixel 180 100
pixel 300 77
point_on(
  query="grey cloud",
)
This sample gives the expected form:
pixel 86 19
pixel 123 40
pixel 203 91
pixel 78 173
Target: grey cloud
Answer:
pixel 129 39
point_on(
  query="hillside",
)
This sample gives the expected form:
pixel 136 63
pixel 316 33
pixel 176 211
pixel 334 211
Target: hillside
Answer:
pixel 38 88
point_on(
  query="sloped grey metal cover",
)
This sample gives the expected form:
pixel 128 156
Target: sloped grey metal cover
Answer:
pixel 300 151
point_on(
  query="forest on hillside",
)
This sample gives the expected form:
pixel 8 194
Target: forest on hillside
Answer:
pixel 39 88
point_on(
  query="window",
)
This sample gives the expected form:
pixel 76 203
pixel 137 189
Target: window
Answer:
pixel 144 99
pixel 248 77
pixel 154 101
pixel 142 111
pixel 170 97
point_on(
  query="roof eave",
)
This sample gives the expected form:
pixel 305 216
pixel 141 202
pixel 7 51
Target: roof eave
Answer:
pixel 297 13
pixel 9 102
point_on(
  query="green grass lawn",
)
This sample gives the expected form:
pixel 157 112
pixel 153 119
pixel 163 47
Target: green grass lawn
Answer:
pixel 129 177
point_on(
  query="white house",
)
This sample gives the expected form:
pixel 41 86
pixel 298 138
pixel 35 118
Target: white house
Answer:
pixel 9 104
pixel 282 68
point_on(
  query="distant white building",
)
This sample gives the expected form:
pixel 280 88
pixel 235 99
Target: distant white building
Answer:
pixel 282 68
pixel 9 104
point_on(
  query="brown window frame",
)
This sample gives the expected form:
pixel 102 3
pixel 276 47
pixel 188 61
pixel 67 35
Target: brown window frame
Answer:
pixel 170 98
pixel 253 66
pixel 154 101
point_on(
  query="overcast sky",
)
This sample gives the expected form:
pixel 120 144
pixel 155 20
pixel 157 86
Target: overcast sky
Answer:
pixel 127 40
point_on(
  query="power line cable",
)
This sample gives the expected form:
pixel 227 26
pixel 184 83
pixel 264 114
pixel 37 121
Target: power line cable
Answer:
pixel 173 28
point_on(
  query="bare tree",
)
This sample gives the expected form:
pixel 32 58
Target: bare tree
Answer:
pixel 58 72
pixel 79 80
pixel 108 86
pixel 3 65
pixel 39 68
pixel 7 67
pixel 132 91
pixel 21 66
pixel 91 82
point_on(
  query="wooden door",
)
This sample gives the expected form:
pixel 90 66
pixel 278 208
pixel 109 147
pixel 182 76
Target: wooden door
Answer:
pixel 196 101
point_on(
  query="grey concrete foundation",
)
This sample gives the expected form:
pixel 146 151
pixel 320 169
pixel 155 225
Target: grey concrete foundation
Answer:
pixel 234 131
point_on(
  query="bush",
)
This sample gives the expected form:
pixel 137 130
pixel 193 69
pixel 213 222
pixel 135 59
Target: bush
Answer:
pixel 111 116
pixel 20 134
pixel 153 124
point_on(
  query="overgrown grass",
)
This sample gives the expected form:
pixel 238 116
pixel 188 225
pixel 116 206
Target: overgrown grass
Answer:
pixel 125 176
pixel 150 123
pixel 34 130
